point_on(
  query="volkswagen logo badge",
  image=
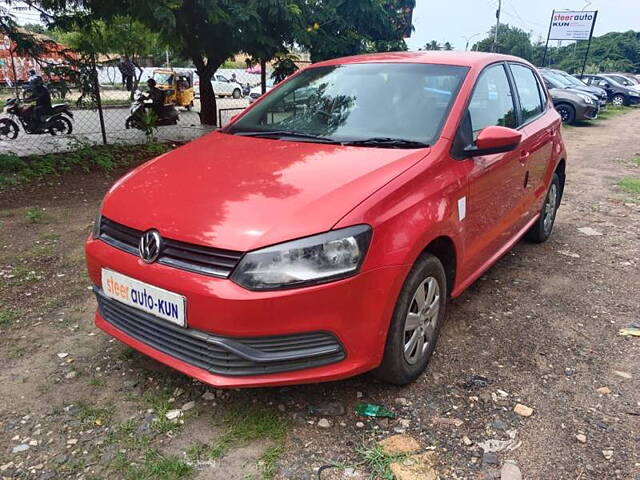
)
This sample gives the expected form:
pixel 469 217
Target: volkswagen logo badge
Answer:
pixel 149 246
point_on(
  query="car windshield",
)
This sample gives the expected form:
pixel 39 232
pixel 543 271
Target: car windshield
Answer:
pixel 163 78
pixel 572 80
pixel 382 104
pixel 556 81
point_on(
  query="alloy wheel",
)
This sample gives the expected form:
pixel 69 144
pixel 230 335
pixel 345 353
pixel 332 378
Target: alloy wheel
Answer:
pixel 618 100
pixel 421 320
pixel 549 210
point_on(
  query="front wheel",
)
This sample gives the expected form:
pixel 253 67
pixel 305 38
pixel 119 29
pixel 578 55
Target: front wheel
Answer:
pixel 416 322
pixel 8 129
pixel 541 230
pixel 567 113
pixel 619 100
pixel 60 126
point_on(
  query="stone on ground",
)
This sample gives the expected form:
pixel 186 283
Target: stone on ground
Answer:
pixel 523 410
pixel 510 471
pixel 416 467
pixel 399 444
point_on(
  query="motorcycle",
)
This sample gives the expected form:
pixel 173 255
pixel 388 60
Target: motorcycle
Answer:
pixel 168 114
pixel 56 122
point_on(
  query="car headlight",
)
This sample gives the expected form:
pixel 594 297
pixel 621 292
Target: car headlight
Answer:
pixel 95 232
pixel 586 98
pixel 307 261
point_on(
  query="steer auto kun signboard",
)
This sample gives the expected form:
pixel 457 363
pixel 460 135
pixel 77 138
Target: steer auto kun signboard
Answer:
pixel 566 25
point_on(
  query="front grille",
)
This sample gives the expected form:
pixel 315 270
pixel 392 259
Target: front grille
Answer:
pixel 186 256
pixel 222 355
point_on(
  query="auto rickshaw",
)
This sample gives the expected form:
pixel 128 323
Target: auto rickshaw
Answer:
pixel 178 84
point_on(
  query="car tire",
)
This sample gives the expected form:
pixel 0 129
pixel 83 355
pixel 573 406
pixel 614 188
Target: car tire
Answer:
pixel 542 229
pixel 619 100
pixel 403 361
pixel 567 113
pixel 236 93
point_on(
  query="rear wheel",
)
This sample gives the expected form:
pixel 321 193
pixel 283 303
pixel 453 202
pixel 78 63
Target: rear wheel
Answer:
pixel 60 126
pixel 619 100
pixel 8 129
pixel 541 230
pixel 567 113
pixel 416 322
pixel 132 122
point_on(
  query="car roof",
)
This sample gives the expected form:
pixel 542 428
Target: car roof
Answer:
pixel 463 59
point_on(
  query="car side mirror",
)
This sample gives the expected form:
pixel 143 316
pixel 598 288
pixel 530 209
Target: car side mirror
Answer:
pixel 494 139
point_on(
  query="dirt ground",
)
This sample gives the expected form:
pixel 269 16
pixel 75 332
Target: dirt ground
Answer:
pixel 541 327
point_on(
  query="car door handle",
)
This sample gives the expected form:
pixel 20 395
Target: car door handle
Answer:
pixel 524 156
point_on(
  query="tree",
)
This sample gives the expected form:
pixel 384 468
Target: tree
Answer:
pixel 447 46
pixel 511 41
pixel 336 28
pixel 119 34
pixel 270 36
pixel 432 46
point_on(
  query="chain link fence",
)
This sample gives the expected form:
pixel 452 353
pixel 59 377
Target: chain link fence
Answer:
pixel 109 121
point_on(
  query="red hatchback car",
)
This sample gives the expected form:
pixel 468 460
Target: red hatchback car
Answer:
pixel 320 233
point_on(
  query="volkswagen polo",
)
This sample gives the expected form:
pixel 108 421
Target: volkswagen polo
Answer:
pixel 320 233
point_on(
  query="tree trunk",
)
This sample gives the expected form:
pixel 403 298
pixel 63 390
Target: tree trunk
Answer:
pixel 208 109
pixel 263 75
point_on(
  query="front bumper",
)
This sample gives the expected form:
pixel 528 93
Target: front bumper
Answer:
pixel 353 315
pixel 589 112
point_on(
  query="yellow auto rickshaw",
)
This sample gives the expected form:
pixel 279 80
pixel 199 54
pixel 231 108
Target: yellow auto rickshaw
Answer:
pixel 178 84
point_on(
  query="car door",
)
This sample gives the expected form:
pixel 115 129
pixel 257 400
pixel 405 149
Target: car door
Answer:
pixel 221 85
pixel 539 131
pixel 495 181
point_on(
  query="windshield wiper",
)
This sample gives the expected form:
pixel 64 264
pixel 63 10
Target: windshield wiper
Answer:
pixel 284 133
pixel 386 142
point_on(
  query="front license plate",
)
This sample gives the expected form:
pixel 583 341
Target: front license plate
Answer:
pixel 156 301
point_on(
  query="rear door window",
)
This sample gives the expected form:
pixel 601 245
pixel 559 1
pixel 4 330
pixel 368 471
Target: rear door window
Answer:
pixel 492 101
pixel 529 92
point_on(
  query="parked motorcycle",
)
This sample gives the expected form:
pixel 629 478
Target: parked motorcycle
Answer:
pixel 167 115
pixel 56 122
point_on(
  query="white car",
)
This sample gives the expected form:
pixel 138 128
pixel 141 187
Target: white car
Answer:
pixel 257 90
pixel 222 87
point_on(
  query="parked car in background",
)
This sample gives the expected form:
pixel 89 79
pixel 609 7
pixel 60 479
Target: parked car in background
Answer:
pixel 319 236
pixel 256 91
pixel 222 87
pixel 561 78
pixel 626 80
pixel 618 94
pixel 574 106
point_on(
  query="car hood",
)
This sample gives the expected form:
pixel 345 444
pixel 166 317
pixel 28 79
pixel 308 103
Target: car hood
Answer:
pixel 241 193
pixel 567 94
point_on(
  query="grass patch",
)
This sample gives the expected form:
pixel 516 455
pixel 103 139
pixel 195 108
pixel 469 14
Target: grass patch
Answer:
pixel 14 169
pixel 612 111
pixel 248 424
pixel 268 462
pixel 630 185
pixel 159 401
pixel 35 215
pixel 95 415
pixel 126 435
pixel 154 466
pixel 636 161
pixel 378 461
pixel 7 316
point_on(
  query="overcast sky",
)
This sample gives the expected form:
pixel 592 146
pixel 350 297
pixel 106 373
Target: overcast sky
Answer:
pixel 453 20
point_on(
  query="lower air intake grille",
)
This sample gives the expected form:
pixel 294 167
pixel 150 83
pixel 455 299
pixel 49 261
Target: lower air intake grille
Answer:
pixel 222 355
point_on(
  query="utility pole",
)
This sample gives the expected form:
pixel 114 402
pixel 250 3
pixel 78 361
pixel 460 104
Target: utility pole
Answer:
pixel 495 36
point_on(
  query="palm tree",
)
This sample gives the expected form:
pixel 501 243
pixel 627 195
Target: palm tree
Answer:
pixel 432 45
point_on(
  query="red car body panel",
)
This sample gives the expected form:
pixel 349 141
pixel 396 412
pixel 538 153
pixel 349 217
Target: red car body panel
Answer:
pixel 243 193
